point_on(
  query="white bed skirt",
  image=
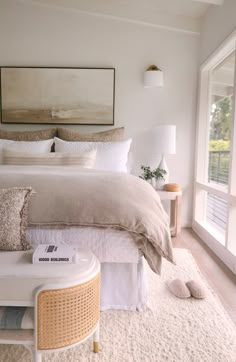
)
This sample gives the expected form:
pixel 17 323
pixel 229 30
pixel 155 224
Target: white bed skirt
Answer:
pixel 124 286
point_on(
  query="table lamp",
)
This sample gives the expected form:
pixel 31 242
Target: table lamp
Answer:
pixel 163 142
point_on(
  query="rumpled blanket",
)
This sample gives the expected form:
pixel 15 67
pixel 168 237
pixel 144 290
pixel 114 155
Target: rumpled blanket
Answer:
pixel 68 196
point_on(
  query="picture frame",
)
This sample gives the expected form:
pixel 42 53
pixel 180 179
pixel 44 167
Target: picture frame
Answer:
pixel 58 96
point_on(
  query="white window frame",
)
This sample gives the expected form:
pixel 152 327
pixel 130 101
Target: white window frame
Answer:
pixel 209 235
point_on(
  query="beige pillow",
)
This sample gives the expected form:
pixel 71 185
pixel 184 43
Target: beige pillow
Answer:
pixel 13 218
pixel 116 134
pixel 82 159
pixel 43 134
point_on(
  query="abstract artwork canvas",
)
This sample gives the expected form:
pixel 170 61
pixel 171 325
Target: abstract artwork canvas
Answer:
pixel 57 95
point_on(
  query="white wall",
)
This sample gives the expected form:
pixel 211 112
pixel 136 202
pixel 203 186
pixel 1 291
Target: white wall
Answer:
pixel 33 35
pixel 218 23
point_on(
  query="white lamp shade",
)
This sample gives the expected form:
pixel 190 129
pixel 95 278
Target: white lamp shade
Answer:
pixel 153 78
pixel 163 139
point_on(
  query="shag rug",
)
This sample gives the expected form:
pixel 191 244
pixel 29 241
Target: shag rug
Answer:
pixel 170 329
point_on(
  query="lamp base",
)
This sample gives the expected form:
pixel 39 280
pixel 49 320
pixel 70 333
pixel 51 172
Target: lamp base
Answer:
pixel 162 165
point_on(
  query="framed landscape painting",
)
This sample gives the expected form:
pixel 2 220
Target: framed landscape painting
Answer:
pixel 57 95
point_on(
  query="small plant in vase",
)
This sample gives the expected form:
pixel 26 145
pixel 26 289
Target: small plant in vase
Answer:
pixel 147 173
pixel 159 175
pixel 154 177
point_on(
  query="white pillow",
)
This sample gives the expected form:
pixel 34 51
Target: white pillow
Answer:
pixel 111 156
pixel 26 146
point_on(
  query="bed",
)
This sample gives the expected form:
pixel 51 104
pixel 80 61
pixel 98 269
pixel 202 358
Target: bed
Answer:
pixel 92 204
pixel 116 215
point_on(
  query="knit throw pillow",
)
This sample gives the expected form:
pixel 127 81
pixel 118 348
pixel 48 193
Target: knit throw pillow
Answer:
pixel 13 218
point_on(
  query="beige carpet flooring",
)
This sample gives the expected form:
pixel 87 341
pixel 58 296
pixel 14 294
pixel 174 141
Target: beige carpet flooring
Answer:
pixel 170 329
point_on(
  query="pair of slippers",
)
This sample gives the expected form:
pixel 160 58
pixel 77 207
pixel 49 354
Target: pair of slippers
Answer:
pixel 192 288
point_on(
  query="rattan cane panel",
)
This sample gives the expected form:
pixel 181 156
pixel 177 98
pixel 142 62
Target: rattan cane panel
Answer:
pixel 67 316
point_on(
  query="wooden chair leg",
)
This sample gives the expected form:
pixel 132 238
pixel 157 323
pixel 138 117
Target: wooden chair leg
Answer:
pixel 96 340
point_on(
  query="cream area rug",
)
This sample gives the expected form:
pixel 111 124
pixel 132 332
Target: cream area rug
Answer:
pixel 170 329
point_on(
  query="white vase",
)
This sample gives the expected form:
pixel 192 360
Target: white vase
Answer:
pixel 160 184
pixel 153 182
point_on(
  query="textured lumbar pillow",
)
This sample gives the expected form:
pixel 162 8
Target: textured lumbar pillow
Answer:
pixel 80 159
pixel 179 288
pixel 13 218
pixel 196 289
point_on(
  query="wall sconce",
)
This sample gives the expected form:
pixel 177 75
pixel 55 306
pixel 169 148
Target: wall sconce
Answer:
pixel 153 77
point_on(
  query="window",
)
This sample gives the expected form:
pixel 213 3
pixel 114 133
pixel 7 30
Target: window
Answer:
pixel 215 180
pixel 221 117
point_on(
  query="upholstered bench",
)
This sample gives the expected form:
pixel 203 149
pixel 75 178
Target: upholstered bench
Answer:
pixel 65 298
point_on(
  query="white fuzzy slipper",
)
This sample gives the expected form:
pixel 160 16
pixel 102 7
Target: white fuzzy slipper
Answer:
pixel 179 288
pixel 196 289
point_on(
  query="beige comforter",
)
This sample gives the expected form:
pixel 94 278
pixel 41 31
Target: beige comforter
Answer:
pixel 80 197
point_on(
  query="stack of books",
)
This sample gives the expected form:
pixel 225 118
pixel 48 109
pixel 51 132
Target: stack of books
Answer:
pixel 45 253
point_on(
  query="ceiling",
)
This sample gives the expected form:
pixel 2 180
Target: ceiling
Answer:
pixel 184 15
pixel 177 7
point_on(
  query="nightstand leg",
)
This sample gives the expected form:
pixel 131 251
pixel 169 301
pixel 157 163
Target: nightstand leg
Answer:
pixel 175 216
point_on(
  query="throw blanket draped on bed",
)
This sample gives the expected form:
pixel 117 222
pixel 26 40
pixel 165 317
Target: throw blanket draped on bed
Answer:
pixel 80 197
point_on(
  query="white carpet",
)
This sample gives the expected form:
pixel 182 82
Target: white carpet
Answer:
pixel 170 329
